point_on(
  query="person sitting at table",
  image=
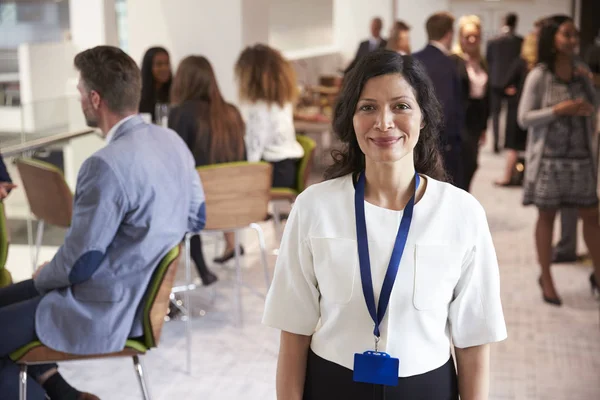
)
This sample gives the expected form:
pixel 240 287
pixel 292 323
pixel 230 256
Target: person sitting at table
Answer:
pixel 156 80
pixel 267 88
pixel 212 129
pixel 128 212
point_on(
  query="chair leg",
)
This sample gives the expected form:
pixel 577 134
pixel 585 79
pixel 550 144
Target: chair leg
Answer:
pixel 139 369
pixel 239 282
pixel 263 253
pixel 38 243
pixel 188 306
pixel 23 382
pixel 277 221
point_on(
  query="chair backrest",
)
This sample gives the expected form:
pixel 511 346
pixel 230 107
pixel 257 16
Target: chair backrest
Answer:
pixel 48 194
pixel 156 299
pixel 237 194
pixel 305 164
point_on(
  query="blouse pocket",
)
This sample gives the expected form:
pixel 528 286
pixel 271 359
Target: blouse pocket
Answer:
pixel 335 262
pixel 437 270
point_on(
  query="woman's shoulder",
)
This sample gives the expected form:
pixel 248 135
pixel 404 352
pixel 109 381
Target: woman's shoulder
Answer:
pixel 454 200
pixel 326 192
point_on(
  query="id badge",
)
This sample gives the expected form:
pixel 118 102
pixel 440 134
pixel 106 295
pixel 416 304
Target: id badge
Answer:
pixel 376 368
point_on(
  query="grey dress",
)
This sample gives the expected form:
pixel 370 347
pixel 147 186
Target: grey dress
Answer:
pixel 565 161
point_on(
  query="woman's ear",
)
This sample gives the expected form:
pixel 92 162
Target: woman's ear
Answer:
pixel 423 124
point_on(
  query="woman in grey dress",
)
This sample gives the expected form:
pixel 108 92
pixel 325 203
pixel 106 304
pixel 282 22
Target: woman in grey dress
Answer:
pixel 557 107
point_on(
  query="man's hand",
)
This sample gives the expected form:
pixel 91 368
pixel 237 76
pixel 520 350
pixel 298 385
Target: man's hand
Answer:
pixel 510 91
pixel 482 138
pixel 5 187
pixel 37 271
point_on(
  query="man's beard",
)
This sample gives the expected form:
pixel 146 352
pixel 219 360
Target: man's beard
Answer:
pixel 90 120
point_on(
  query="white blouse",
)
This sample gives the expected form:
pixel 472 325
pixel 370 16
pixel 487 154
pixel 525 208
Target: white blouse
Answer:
pixel 447 287
pixel 270 132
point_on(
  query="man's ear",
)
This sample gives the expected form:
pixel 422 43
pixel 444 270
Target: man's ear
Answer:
pixel 95 99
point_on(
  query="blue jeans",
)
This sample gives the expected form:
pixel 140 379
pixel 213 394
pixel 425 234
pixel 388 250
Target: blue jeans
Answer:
pixel 18 304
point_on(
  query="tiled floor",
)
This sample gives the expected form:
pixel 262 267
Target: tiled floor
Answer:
pixel 551 353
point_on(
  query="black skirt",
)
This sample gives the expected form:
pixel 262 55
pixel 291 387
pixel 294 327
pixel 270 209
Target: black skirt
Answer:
pixel 326 380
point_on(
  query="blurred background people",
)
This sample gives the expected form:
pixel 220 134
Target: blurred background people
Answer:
pixel 268 90
pixel 212 129
pixel 501 53
pixel 156 80
pixel 472 70
pixel 443 73
pixel 399 40
pixel 373 43
pixel 557 105
pixel 515 137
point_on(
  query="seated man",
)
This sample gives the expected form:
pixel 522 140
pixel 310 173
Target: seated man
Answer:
pixel 135 200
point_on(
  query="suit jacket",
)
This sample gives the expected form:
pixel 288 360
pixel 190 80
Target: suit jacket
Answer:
pixel 364 49
pixel 443 73
pixel 135 200
pixel 4 176
pixel 501 52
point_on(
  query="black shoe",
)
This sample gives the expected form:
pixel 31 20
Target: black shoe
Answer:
pixel 559 258
pixel 228 256
pixel 594 286
pixel 555 301
pixel 208 278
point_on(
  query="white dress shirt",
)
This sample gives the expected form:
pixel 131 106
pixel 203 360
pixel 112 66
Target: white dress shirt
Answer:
pixel 270 132
pixel 447 287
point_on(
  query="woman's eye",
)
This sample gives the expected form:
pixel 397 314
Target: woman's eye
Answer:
pixel 402 106
pixel 367 108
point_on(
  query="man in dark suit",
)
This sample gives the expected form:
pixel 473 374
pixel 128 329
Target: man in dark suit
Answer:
pixel 373 43
pixel 444 75
pixel 501 52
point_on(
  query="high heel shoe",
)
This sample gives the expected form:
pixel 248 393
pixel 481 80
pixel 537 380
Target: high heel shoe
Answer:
pixel 555 301
pixel 594 286
pixel 228 256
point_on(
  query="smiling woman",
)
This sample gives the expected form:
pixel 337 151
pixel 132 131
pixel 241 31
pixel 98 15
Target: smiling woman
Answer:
pixel 384 226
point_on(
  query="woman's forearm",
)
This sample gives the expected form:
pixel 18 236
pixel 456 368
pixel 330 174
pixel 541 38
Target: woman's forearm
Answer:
pixel 291 366
pixel 473 372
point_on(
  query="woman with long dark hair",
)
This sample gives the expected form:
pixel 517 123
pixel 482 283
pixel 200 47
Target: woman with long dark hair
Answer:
pixel 156 80
pixel 557 107
pixel 385 226
pixel 212 129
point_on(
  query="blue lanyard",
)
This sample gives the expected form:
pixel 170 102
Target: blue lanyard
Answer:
pixel 363 254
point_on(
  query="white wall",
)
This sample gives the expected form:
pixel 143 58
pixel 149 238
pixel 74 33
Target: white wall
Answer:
pixel 415 14
pixel 93 22
pixel 185 27
pixel 352 21
pixel 296 25
pixel 491 13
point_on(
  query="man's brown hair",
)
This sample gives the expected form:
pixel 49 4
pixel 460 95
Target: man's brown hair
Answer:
pixel 439 24
pixel 113 74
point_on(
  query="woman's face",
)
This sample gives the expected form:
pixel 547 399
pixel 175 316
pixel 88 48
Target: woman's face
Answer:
pixel 470 39
pixel 387 119
pixel 566 39
pixel 161 67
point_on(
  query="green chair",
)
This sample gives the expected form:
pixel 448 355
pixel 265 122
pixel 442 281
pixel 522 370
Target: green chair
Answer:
pixel 48 195
pixel 289 195
pixel 156 304
pixel 5 277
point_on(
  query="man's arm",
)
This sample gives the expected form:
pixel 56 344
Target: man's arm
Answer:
pixel 197 214
pixel 99 207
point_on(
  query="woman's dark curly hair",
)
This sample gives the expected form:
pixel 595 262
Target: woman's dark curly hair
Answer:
pixel 351 160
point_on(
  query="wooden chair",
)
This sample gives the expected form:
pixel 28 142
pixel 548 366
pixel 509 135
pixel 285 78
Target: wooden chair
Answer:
pixel 156 304
pixel 49 196
pixel 288 194
pixel 237 198
pixel 5 277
